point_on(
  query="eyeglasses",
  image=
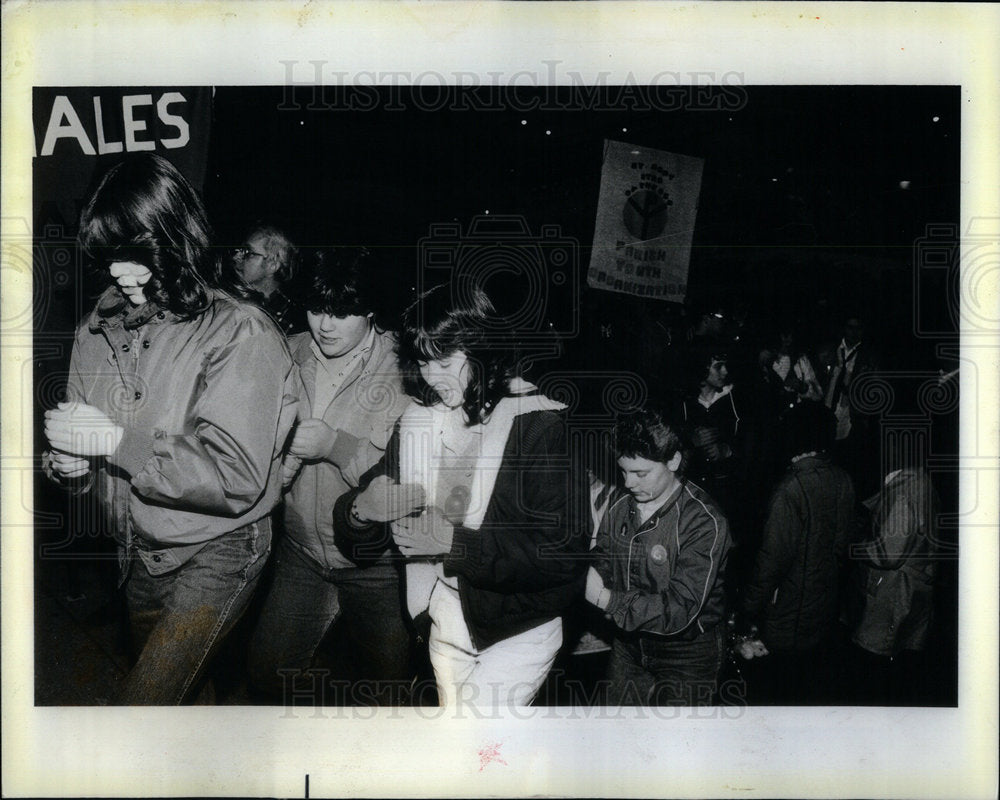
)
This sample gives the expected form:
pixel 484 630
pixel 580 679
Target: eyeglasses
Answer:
pixel 243 253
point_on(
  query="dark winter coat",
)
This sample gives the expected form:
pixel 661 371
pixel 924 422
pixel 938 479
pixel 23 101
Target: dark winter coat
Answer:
pixel 792 593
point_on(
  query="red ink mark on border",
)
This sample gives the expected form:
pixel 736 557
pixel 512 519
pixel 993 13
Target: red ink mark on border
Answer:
pixel 489 754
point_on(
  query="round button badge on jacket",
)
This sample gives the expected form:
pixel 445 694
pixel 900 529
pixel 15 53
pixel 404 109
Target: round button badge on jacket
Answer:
pixel 658 554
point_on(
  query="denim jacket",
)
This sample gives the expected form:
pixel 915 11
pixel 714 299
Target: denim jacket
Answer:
pixel 363 412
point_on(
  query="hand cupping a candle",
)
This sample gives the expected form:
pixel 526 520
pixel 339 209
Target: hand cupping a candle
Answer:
pixel 313 439
pixel 428 534
pixel 82 430
pixel 595 592
pixel 68 467
pixel 431 533
pixel 751 648
pixel 385 501
pixel 131 278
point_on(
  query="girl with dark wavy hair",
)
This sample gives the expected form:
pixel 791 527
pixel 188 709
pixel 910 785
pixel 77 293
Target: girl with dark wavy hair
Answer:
pixel 179 400
pixel 145 213
pixel 480 494
pixel 463 334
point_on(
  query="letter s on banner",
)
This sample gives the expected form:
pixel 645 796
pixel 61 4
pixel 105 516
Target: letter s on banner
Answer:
pixel 163 112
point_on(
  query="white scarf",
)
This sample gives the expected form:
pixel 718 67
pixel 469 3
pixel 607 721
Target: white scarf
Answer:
pixel 421 430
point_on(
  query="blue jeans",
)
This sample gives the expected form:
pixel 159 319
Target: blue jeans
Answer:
pixel 647 670
pixel 179 618
pixel 304 601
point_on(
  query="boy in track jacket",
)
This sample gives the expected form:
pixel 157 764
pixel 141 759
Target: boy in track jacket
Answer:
pixel 660 558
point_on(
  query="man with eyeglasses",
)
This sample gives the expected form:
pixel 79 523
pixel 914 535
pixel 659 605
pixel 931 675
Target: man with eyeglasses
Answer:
pixel 266 263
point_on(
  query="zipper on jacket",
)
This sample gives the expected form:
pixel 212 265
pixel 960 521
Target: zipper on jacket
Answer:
pixel 628 571
pixel 649 525
pixel 126 509
pixel 645 527
pixel 136 344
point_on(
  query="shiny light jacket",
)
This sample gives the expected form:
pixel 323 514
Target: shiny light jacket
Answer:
pixel 207 405
pixel 898 565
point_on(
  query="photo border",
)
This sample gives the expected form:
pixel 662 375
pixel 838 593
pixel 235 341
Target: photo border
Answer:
pixel 269 751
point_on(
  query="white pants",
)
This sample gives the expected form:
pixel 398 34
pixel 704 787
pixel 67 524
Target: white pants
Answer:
pixel 508 673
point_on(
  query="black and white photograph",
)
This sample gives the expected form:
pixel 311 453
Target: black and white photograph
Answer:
pixel 569 426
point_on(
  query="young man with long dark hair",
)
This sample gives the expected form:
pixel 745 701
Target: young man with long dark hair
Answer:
pixel 179 401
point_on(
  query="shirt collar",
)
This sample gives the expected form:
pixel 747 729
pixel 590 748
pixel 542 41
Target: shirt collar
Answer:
pixel 719 394
pixel 664 506
pixel 848 351
pixel 809 461
pixel 114 311
pixel 519 387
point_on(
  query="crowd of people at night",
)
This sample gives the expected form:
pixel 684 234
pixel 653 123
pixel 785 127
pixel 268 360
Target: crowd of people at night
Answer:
pixel 280 463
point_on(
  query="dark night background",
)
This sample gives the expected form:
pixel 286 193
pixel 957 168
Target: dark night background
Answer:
pixel 815 202
pixel 802 208
pixel 801 205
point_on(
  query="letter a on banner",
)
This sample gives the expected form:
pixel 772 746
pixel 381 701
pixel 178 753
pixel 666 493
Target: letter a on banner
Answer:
pixel 645 221
pixel 83 131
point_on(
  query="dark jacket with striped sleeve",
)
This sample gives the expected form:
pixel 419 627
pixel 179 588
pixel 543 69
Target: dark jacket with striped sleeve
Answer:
pixel 665 574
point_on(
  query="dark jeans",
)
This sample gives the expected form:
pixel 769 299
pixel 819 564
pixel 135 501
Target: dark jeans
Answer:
pixel 664 672
pixel 179 618
pixel 304 600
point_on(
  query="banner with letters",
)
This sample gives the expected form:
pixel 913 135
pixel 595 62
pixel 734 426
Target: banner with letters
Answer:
pixel 645 220
pixel 81 132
